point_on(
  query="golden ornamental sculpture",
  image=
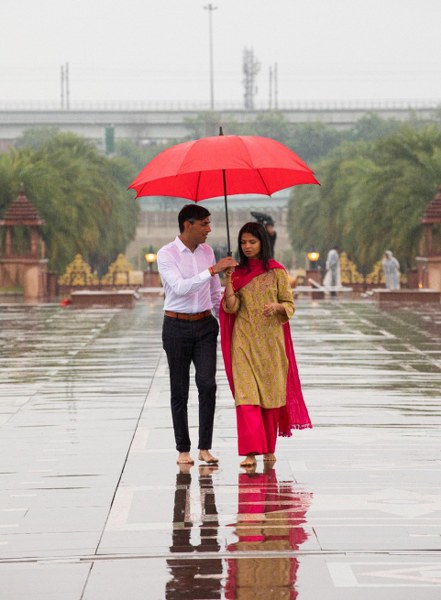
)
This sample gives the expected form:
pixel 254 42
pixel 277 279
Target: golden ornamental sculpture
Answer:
pixel 376 276
pixel 348 270
pixel 118 273
pixel 78 272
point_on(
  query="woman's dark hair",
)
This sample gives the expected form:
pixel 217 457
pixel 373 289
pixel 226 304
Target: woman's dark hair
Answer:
pixel 259 232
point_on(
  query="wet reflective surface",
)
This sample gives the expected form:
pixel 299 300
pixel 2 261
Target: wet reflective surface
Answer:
pixel 93 505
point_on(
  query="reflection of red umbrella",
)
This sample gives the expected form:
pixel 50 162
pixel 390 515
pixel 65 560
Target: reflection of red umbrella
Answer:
pixel 209 167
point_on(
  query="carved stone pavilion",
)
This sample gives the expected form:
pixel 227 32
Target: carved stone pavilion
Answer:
pixel 23 265
pixel 429 265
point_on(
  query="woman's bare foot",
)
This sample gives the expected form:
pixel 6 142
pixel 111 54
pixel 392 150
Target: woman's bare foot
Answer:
pixel 269 457
pixel 184 458
pixel 268 467
pixel 248 461
pixel 207 457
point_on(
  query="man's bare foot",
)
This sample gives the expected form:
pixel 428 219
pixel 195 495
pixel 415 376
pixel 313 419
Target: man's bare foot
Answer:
pixel 206 470
pixel 184 458
pixel 269 457
pixel 185 468
pixel 248 461
pixel 207 457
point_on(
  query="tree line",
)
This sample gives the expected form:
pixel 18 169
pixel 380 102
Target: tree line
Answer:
pixel 80 193
pixel 376 179
pixel 371 198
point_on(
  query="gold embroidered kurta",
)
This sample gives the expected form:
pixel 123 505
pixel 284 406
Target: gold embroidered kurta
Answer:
pixel 258 353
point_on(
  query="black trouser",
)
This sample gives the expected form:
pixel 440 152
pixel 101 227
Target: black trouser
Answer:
pixel 193 577
pixel 185 342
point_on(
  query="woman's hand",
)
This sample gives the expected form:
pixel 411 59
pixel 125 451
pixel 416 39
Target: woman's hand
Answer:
pixel 229 271
pixel 272 309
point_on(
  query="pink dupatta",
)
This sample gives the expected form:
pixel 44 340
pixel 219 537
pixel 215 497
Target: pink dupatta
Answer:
pixel 294 415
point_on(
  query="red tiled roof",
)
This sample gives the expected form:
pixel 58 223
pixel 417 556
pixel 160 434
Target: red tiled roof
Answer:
pixel 21 212
pixel 432 213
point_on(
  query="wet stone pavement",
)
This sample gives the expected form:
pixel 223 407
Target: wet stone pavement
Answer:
pixel 93 505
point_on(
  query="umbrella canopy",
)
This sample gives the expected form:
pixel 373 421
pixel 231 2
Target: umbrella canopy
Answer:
pixel 222 165
pixel 194 170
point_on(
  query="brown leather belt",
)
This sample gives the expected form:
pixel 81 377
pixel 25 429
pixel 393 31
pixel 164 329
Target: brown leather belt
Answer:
pixel 188 316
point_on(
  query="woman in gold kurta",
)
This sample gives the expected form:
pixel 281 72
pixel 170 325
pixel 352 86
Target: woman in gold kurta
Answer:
pixel 257 348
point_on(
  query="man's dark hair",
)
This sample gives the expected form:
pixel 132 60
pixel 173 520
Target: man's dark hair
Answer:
pixel 259 232
pixel 192 212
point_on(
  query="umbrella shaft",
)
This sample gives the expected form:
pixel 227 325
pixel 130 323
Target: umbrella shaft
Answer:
pixel 226 212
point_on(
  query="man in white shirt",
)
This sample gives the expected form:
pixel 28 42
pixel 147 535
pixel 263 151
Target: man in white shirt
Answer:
pixel 189 274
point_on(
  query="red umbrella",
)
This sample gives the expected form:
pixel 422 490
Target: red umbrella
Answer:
pixel 211 166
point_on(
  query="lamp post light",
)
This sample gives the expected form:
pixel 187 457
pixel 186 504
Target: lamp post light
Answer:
pixel 313 256
pixel 313 274
pixel 150 258
pixel 150 276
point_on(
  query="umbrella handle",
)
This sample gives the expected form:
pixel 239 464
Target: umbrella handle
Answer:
pixel 224 177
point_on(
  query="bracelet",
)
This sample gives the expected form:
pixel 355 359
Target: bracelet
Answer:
pixel 211 271
pixel 230 296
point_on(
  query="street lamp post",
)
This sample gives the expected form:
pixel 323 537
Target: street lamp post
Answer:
pixel 150 258
pixel 313 274
pixel 210 9
pixel 150 276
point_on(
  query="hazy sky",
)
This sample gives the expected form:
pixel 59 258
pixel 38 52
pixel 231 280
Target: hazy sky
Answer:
pixel 158 50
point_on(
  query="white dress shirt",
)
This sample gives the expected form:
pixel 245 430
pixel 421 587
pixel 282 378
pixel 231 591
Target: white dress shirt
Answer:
pixel 188 284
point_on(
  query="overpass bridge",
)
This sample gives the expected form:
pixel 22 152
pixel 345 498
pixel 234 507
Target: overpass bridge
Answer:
pixel 146 123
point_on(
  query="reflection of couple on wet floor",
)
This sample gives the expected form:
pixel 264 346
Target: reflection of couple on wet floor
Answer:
pixel 269 519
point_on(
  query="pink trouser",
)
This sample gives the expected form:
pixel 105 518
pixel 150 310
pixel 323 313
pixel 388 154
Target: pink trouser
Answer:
pixel 256 429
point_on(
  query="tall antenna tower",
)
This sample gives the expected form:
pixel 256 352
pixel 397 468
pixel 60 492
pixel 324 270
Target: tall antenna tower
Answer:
pixel 65 91
pixel 273 88
pixel 251 67
pixel 62 87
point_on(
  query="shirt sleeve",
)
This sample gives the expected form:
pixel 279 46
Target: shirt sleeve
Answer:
pixel 170 273
pixel 215 293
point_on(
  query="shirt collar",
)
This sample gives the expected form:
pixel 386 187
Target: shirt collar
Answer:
pixel 182 247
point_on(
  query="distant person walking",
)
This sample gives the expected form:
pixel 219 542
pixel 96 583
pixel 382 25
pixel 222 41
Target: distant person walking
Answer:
pixel 391 270
pixel 189 273
pixel 272 237
pixel 333 276
pixel 268 222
